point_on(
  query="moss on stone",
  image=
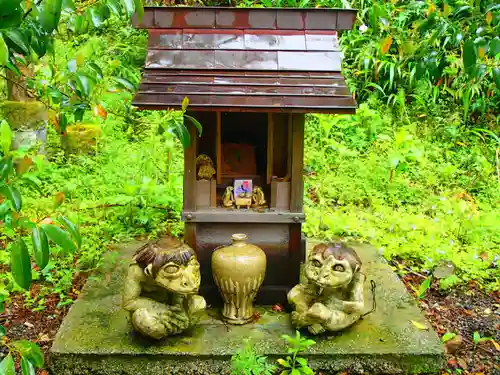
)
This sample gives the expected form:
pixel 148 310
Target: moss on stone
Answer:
pixel 82 138
pixel 24 115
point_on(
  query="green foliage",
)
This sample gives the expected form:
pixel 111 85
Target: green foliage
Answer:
pixel 450 47
pixel 31 357
pixel 293 364
pixel 438 203
pixel 247 362
pixel 14 224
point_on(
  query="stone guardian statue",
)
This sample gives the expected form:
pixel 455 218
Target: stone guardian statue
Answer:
pixel 161 289
pixel 332 298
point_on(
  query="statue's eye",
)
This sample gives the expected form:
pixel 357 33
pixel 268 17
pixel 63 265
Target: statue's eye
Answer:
pixel 171 269
pixel 316 263
pixel 339 268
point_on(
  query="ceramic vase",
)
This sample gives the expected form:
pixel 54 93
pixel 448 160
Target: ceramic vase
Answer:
pixel 238 270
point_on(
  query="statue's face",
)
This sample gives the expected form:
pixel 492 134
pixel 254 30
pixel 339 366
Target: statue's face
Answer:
pixel 182 279
pixel 327 271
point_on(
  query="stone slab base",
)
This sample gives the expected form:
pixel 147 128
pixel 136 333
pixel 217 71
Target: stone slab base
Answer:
pixel 96 336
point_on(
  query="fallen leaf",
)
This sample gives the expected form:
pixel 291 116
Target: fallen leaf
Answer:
pixel 28 324
pixel 419 325
pixel 44 338
pixel 461 362
pixel 469 312
pixel 496 345
pixel 452 363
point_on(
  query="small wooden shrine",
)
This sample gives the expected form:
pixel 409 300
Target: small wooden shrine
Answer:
pixel 250 76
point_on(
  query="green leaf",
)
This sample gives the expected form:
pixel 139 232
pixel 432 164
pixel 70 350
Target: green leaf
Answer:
pixel 18 39
pixel 72 229
pixel 496 77
pixel 60 237
pixel 68 5
pixel 11 13
pixel 79 24
pixel 195 122
pixel 494 48
pixel 33 182
pixel 96 68
pixel 283 363
pixel 125 83
pixel 2 328
pixel 114 6
pixel 295 372
pixel 30 351
pixel 13 195
pixel 4 52
pixel 469 55
pixel 40 247
pixel 7 366
pixel 50 15
pixel 20 264
pixel 139 10
pixel 26 367
pixel 129 6
pixel 476 337
pixel 178 128
pixel 96 17
pixel 448 336
pixel 84 83
pixel 39 44
pixel 72 66
pixel 5 137
pixel 6 167
pixel 302 361
pixel 424 286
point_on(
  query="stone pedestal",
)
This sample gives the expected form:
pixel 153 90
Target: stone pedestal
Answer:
pixel 97 338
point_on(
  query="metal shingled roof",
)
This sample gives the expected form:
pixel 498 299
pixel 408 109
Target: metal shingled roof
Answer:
pixel 240 59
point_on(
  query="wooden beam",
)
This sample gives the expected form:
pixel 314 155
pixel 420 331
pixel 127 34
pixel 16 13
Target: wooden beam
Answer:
pixel 270 146
pixel 297 183
pixel 296 253
pixel 218 146
pixel 189 203
pixel 221 215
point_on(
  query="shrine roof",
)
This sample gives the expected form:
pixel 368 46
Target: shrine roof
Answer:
pixel 245 59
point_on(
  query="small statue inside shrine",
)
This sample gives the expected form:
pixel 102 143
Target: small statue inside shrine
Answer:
pixel 205 166
pixel 228 197
pixel 332 299
pixel 161 289
pixel 258 197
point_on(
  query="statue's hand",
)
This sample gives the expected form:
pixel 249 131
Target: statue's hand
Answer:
pixel 175 318
pixel 318 312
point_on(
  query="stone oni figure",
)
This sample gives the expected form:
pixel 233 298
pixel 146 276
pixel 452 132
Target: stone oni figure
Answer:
pixel 332 299
pixel 161 288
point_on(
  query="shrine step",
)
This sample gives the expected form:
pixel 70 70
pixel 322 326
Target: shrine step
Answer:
pixel 96 336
